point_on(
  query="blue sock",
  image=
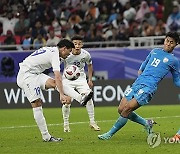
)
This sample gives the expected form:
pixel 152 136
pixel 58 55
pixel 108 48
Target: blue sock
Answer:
pixel 178 132
pixel 118 125
pixel 136 118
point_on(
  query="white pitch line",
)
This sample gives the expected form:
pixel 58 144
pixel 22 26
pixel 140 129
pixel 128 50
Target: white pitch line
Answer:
pixel 76 123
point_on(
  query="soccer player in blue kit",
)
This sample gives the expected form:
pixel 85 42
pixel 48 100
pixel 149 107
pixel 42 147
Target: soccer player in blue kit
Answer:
pixel 176 136
pixel 158 63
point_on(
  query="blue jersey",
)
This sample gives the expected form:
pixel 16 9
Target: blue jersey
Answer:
pixel 156 66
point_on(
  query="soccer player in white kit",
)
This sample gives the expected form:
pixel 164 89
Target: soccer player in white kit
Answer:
pixel 76 88
pixel 31 79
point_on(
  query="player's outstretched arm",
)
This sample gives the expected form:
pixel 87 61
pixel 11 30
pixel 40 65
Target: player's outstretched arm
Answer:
pixel 90 72
pixel 176 73
pixel 143 65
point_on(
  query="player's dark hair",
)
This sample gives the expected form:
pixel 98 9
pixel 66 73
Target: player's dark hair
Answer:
pixel 65 43
pixel 77 37
pixel 174 35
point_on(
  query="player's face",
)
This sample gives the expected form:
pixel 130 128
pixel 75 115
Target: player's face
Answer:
pixel 169 44
pixel 78 45
pixel 65 52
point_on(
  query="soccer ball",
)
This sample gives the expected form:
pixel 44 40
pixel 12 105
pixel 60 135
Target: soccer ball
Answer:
pixel 71 72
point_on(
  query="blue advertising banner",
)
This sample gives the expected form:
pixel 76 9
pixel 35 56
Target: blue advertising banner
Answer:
pixel 110 63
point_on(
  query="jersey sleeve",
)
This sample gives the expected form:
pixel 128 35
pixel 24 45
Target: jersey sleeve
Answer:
pixel 143 65
pixel 88 59
pixel 55 62
pixel 176 73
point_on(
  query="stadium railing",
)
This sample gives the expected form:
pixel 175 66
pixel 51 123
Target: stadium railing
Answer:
pixel 133 42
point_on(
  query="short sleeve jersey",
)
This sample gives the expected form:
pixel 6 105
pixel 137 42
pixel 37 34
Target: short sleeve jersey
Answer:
pixel 79 60
pixel 42 59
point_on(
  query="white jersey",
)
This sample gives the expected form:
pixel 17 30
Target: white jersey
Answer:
pixel 79 60
pixel 42 59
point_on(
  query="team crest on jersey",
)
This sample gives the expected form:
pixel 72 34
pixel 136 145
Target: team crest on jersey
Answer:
pixel 140 92
pixel 83 60
pixel 165 60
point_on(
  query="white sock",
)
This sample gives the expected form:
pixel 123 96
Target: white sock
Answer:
pixel 66 113
pixel 41 122
pixel 90 110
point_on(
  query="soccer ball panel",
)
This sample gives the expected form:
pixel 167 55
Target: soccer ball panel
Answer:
pixel 72 72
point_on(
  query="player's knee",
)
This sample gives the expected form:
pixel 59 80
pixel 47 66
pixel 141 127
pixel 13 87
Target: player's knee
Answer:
pixel 36 103
pixel 50 83
pixel 120 109
pixel 126 111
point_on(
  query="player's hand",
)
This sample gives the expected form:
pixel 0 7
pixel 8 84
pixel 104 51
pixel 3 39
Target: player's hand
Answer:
pixel 90 83
pixel 65 99
pixel 68 99
pixel 139 72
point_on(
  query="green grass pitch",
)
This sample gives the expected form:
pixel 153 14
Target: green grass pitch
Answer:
pixel 19 133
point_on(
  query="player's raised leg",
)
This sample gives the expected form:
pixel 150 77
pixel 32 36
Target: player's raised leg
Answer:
pixel 122 120
pixel 143 99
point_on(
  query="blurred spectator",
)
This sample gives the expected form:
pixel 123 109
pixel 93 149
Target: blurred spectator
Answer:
pixel 173 21
pixel 4 10
pixel 64 34
pixel 112 16
pixel 48 14
pixel 17 8
pixel 144 8
pixel 116 5
pixel 82 33
pixel 27 41
pixel 123 2
pixel 147 29
pixel 69 30
pixel 33 13
pixel 72 2
pixel 160 28
pixel 84 5
pixel 99 35
pixel 93 10
pixel 159 12
pixel 108 32
pixel 153 6
pixel 38 28
pixel 22 25
pixel 74 19
pixel 57 27
pixel 103 16
pixel 130 12
pixel 134 29
pixel 150 18
pixel 40 41
pixel 9 40
pixel 8 22
pixel 120 22
pixel 113 34
pixel 78 10
pixel 52 40
pixel 91 33
pixel 88 19
pixel 76 16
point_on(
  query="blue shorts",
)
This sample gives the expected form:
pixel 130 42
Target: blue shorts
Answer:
pixel 142 93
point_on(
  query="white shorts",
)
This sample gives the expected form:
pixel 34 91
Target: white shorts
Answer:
pixel 32 84
pixel 80 85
